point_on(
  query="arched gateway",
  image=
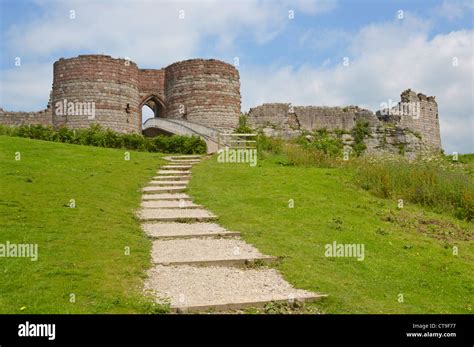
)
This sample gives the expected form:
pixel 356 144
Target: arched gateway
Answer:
pixel 202 92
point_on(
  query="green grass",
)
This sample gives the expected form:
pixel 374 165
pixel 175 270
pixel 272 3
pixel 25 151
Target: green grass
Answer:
pixel 408 251
pixel 82 249
pixel 442 186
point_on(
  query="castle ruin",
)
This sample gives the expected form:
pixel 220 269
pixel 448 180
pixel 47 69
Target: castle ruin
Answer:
pixel 199 91
pixel 202 97
pixel 409 126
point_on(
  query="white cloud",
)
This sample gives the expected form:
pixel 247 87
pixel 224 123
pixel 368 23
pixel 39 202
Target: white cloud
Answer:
pixel 26 87
pixel 454 9
pixel 386 59
pixel 152 33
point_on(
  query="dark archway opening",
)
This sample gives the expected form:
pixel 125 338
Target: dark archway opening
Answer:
pixel 151 107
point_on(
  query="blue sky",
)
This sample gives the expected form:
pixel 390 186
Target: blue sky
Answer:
pixel 281 59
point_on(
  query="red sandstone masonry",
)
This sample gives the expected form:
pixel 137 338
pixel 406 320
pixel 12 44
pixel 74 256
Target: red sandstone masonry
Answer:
pixel 209 91
pixel 111 84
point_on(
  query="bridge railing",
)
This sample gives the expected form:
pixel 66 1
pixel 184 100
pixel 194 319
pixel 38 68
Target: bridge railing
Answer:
pixel 182 126
pixel 237 141
pixel 213 137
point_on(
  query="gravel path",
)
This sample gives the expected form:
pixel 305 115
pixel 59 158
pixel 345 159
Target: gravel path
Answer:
pixel 169 189
pixel 148 214
pixel 166 196
pixel 169 204
pixel 173 172
pixel 213 280
pixel 172 178
pixel 168 183
pixel 205 249
pixel 214 286
pixel 173 229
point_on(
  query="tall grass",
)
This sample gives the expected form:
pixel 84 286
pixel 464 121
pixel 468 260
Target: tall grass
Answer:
pixel 306 156
pixel 433 182
pixel 322 150
pixel 424 183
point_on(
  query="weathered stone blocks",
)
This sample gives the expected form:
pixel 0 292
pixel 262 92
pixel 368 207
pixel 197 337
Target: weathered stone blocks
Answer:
pixel 202 91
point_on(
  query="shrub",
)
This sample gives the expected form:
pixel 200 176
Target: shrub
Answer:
pixel 267 144
pixel 324 142
pixel 359 132
pixel 243 128
pixel 97 136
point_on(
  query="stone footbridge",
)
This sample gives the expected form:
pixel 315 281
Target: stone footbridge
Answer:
pixel 155 126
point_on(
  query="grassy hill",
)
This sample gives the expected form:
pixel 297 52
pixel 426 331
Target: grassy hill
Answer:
pixel 83 266
pixel 82 250
pixel 409 264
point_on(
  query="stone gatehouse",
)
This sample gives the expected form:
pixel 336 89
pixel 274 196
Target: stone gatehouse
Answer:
pixel 100 89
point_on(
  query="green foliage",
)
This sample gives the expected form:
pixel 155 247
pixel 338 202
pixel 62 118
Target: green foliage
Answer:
pixel 97 136
pixel 178 144
pixel 322 149
pixel 401 149
pixel 269 145
pixel 420 182
pixel 359 132
pixel 243 128
pixel 340 132
pixel 324 142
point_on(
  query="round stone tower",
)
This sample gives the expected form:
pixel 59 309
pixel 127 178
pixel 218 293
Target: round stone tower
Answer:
pixel 203 91
pixel 96 89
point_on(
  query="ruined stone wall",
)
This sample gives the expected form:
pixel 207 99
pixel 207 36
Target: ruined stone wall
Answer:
pixel 203 91
pixel 426 123
pixel 402 132
pixel 112 85
pixel 308 118
pixel 44 117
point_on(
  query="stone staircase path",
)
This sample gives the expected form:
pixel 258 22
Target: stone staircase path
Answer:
pixel 199 265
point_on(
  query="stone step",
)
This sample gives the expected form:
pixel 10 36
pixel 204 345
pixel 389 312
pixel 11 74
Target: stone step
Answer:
pixel 173 172
pixel 180 163
pixel 183 161
pixel 166 196
pixel 176 167
pixel 176 215
pixel 206 251
pixel 184 156
pixel 193 288
pixel 167 189
pixel 168 183
pixel 185 230
pixel 172 178
pixel 169 204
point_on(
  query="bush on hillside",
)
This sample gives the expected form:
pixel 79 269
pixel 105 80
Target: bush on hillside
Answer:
pixel 243 127
pixel 97 136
